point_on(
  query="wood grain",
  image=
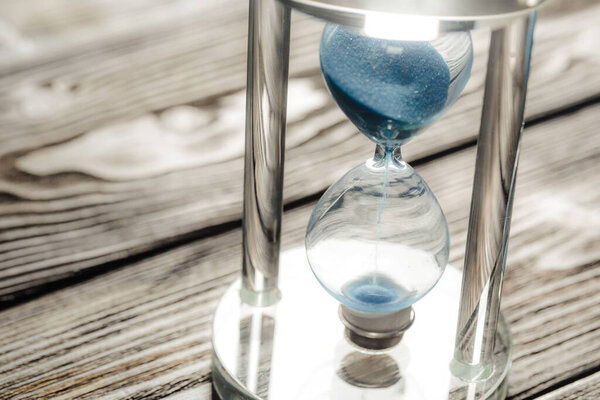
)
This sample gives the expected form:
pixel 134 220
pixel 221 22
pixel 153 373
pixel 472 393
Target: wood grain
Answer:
pixel 143 331
pixel 587 388
pixel 80 192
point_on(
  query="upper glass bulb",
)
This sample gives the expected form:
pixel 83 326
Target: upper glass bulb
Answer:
pixel 378 240
pixel 390 89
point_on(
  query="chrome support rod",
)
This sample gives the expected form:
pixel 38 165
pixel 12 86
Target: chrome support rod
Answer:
pixel 493 192
pixel 266 99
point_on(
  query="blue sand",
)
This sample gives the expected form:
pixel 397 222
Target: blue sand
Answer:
pixel 377 293
pixel 388 89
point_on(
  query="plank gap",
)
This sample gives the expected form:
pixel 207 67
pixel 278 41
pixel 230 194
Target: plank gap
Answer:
pixel 558 385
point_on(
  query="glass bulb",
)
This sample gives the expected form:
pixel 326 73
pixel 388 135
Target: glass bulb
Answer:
pixel 378 240
pixel 391 89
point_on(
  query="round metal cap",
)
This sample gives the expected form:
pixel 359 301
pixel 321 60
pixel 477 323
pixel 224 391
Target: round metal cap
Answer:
pixel 376 331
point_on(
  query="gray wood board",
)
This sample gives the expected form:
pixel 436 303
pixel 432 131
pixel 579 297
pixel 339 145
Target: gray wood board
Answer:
pixel 118 145
pixel 144 331
pixel 587 388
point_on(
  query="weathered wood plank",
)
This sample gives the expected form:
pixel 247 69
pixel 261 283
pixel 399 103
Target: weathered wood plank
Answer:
pixel 76 194
pixel 587 388
pixel 144 330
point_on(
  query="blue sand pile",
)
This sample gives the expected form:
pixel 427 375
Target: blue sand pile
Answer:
pixel 388 89
pixel 377 293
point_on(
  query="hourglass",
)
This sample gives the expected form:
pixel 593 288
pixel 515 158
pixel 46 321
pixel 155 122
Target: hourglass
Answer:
pixel 378 240
pixel 381 316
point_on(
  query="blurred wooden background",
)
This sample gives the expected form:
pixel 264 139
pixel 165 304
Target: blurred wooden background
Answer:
pixel 121 145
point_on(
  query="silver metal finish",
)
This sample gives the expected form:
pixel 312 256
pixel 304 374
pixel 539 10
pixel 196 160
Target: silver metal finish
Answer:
pixel 493 192
pixel 266 97
pixel 297 350
pixel 376 331
pixel 445 15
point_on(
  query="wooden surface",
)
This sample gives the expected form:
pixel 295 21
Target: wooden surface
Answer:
pixel 121 144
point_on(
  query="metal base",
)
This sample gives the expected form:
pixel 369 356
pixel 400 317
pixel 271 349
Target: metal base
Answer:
pixel 297 349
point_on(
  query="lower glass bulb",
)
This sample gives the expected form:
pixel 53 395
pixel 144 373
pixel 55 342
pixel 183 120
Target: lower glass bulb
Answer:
pixel 378 240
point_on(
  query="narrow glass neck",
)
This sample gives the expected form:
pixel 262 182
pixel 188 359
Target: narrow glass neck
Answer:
pixel 383 151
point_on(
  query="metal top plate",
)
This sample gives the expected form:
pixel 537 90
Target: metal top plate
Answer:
pixel 450 15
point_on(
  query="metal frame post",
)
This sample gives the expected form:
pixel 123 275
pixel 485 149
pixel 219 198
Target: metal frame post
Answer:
pixel 493 192
pixel 266 100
